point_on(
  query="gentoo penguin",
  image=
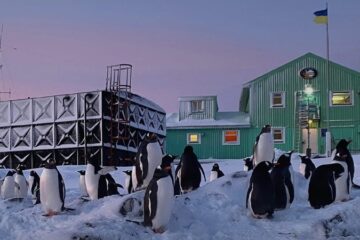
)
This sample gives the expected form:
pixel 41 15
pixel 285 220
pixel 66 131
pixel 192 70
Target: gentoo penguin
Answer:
pixel 20 179
pixel 282 181
pixel 260 197
pixel 264 146
pixel 147 159
pixel 95 181
pixel 34 183
pixel 9 186
pixel 307 167
pixel 343 183
pixel 188 171
pixel 248 164
pixel 82 184
pixel 342 146
pixel 322 188
pixel 167 165
pixel 215 172
pixel 111 185
pixel 52 189
pixel 128 181
pixel 158 201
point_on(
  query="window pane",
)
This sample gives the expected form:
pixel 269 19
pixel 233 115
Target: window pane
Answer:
pixel 193 138
pixel 231 136
pixel 278 135
pixel 277 100
pixel 197 106
pixel 341 98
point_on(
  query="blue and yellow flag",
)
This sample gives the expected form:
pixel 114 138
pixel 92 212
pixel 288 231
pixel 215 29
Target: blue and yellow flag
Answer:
pixel 321 16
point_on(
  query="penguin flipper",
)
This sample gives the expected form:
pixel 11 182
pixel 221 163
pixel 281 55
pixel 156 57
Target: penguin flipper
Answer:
pixel 248 194
pixel 290 187
pixel 202 170
pixel 354 185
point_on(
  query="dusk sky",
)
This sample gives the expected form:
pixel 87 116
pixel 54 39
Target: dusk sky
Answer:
pixel 177 48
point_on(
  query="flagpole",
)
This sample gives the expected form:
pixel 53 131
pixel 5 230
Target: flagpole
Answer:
pixel 328 133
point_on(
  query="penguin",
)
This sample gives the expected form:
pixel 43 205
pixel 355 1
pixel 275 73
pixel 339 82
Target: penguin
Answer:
pixel 112 186
pixel 147 159
pixel 248 164
pixel 52 189
pixel 19 178
pixel 343 147
pixel 95 181
pixel 264 146
pixel 188 171
pixel 128 181
pixel 34 183
pixel 215 172
pixel 9 186
pixel 322 188
pixel 307 167
pixel 343 183
pixel 82 184
pixel 167 165
pixel 281 178
pixel 158 201
pixel 260 197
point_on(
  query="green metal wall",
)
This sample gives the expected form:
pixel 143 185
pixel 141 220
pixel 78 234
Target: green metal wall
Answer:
pixel 211 143
pixel 344 121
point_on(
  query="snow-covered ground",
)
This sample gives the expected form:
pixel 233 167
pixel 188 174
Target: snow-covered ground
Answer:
pixel 215 211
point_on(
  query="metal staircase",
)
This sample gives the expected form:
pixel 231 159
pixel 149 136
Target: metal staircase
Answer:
pixel 118 83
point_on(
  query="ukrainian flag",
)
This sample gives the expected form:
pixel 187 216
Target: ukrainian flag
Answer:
pixel 321 17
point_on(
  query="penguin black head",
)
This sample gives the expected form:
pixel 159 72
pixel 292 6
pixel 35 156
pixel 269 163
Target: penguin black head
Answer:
pixel 128 172
pixel 151 137
pixel 309 165
pixel 19 169
pixel 215 167
pixel 82 172
pixel 10 173
pixel 284 160
pixel 266 128
pixel 248 164
pixel 337 170
pixel 343 144
pixel 167 160
pixel 50 164
pixel 188 149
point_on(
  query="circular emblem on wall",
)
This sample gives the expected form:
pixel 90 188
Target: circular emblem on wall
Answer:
pixel 308 73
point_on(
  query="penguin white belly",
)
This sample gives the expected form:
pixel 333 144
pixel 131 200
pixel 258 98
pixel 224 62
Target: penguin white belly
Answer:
pixel 302 168
pixel 287 197
pixel 342 184
pixel 127 182
pixel 8 188
pixel 91 183
pixel 82 183
pixel 165 203
pixel 213 175
pixel 134 179
pixel 22 191
pixel 265 148
pixel 154 157
pixel 50 192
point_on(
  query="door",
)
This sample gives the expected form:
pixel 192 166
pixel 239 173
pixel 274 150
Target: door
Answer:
pixel 313 140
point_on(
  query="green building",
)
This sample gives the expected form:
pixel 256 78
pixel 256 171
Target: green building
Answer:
pixel 295 99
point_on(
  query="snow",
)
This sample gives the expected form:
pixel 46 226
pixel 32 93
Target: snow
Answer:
pixel 214 211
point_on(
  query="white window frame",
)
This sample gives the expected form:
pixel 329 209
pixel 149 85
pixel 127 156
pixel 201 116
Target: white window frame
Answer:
pixel 231 143
pixel 282 105
pixel 340 105
pixel 188 138
pixel 197 106
pixel 282 140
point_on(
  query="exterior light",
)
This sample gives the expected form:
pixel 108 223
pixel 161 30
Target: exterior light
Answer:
pixel 310 121
pixel 308 89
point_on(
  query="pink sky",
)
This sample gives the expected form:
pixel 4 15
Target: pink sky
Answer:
pixel 177 49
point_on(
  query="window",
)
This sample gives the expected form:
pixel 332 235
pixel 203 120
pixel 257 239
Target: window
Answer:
pixel 344 98
pixel 278 134
pixel 193 138
pixel 231 137
pixel 277 100
pixel 197 106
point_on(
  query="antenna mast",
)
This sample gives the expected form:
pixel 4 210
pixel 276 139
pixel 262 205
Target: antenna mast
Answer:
pixel 1 64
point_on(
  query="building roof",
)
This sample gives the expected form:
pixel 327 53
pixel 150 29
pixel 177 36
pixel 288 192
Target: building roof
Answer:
pixel 222 119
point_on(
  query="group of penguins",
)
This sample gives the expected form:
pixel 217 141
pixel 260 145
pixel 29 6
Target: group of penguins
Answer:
pixel 271 183
pixel 152 172
pixel 270 187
